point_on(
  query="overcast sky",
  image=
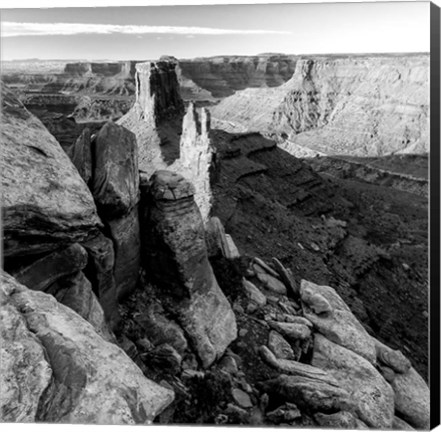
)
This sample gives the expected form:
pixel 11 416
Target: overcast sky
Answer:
pixel 123 33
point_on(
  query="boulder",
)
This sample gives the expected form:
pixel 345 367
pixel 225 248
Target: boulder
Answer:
pixel 280 347
pixel 115 183
pixel 412 399
pixel 260 266
pixel 45 203
pixel 393 359
pixel 292 331
pixel 271 283
pixel 296 368
pixel 287 278
pixel 310 395
pixel 43 272
pixel 373 396
pixel 339 324
pixel 254 293
pixel 177 261
pixel 125 233
pixel 67 372
pixel 241 398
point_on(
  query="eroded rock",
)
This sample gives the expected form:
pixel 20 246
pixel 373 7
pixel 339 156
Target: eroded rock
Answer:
pixel 308 394
pixel 339 325
pixel 115 175
pixel 45 202
pixel 412 399
pixel 178 262
pixel 45 271
pixel 81 378
pixel 372 395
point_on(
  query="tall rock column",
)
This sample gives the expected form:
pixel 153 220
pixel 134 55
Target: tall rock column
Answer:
pixel 157 99
pixel 177 261
pixel 115 187
pixel 197 160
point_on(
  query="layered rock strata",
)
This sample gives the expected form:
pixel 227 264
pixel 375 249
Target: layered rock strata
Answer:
pixel 364 106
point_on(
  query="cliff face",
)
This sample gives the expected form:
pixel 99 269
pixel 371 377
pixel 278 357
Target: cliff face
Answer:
pixel 364 106
pixel 222 76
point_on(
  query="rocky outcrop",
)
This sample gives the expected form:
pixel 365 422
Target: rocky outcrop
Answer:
pixel 56 368
pixel 178 263
pixel 371 393
pixel 45 202
pixel 115 188
pixel 333 318
pixel 364 106
pixel 115 176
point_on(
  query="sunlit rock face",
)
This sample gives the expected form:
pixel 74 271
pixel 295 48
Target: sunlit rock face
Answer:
pixel 360 105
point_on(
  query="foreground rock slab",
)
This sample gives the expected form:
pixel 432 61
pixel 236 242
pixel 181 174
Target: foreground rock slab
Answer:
pixel 81 378
pixel 412 399
pixel 370 392
pixel 332 318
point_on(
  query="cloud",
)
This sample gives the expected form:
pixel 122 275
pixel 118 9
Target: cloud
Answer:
pixel 14 29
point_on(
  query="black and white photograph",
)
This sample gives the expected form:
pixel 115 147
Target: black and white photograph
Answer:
pixel 220 215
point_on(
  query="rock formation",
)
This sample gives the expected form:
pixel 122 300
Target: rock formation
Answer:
pixel 45 203
pixel 364 106
pixel 157 99
pixel 165 138
pixel 178 263
pixel 56 368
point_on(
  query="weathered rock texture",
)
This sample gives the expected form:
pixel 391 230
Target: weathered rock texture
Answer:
pixel 115 187
pixel 372 395
pixel 197 161
pixel 336 322
pixel 178 262
pixel 115 176
pixel 45 202
pixel 364 106
pixel 56 368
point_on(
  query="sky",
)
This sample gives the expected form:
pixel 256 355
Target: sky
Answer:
pixel 140 33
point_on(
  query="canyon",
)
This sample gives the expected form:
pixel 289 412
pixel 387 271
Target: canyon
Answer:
pixel 188 258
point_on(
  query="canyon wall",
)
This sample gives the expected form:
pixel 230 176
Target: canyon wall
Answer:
pixel 224 75
pixel 364 106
